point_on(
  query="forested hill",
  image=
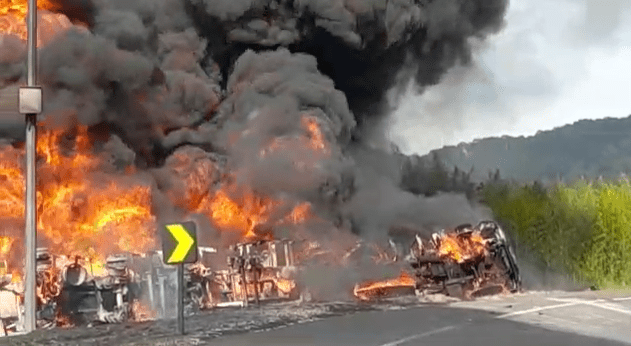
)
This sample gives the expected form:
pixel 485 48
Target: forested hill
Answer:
pixel 589 148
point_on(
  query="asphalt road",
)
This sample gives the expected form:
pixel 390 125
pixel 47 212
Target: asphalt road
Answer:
pixel 532 318
pixel 536 318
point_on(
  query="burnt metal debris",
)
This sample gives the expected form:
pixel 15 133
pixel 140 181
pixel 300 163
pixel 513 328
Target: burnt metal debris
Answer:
pixel 69 292
pixel 490 271
pixel 465 262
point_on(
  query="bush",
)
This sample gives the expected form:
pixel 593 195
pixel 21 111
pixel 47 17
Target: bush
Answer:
pixel 584 229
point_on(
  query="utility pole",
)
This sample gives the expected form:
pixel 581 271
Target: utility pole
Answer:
pixel 30 104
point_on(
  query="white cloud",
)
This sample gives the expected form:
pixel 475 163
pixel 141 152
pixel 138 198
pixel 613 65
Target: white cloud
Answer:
pixel 556 62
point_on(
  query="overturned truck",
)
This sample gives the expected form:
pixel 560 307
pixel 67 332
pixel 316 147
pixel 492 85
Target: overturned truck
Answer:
pixel 465 262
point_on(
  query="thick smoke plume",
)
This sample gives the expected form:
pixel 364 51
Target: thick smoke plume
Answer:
pixel 272 97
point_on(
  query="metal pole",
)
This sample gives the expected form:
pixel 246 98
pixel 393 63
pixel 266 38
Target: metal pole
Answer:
pixel 180 299
pixel 150 287
pixel 163 299
pixel 30 305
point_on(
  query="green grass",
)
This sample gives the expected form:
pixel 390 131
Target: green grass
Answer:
pixel 583 229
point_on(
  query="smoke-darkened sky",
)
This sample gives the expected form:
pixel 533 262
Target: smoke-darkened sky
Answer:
pixel 555 62
pixel 272 97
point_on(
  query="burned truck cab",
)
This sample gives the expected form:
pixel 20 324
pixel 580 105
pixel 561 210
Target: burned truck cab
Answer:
pixel 465 262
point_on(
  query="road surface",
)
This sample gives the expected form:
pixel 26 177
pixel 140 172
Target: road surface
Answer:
pixel 531 318
pixel 537 318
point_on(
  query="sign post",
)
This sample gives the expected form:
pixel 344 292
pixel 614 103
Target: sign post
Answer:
pixel 179 246
pixel 180 299
pixel 30 104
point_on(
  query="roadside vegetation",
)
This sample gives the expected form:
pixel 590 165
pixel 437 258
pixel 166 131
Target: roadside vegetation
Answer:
pixel 583 228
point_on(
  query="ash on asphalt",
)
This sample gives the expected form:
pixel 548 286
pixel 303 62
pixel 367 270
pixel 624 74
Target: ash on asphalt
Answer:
pixel 204 326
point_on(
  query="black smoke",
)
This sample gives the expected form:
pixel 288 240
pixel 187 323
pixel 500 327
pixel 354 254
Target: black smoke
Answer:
pixel 154 79
pixel 363 46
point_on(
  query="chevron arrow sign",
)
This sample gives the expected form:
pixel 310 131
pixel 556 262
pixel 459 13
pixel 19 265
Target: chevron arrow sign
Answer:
pixel 179 243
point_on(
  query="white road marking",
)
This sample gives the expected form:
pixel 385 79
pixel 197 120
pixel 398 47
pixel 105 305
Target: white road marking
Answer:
pixel 622 298
pixel 612 307
pixel 418 336
pixel 603 305
pixel 541 308
pixel 575 300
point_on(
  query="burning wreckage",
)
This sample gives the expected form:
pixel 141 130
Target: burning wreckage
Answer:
pixel 209 115
pixel 466 262
pixel 133 287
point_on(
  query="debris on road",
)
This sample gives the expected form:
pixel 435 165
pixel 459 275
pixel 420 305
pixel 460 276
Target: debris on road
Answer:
pixel 465 262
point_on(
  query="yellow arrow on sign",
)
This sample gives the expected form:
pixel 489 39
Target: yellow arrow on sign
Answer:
pixel 184 242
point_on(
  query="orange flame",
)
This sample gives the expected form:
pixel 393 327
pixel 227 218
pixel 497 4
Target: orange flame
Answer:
pixel 461 249
pixel 82 216
pixel 316 138
pixel 285 285
pixel 249 212
pixel 370 289
pixel 282 285
pixel 77 214
pixel 142 312
pixel 97 267
pixel 13 14
pixel 244 216
pixel 16 277
pixel 5 245
pixel 313 138
pixel 300 214
pixel 11 187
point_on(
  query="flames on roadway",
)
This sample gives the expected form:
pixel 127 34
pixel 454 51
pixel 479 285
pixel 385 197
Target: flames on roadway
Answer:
pixel 253 118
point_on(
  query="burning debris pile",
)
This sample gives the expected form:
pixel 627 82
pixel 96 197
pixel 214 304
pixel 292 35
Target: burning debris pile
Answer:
pixel 466 263
pixel 135 288
pixel 247 117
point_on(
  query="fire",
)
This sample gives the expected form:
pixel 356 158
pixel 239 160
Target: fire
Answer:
pixel 110 215
pixel 244 216
pixel 461 249
pixel 312 138
pixel 248 213
pixel 78 215
pixel 5 245
pixel 142 313
pixel 300 214
pixel 19 8
pixel 97 267
pixel 316 138
pixel 371 289
pixel 82 216
pixel 49 284
pixel 48 146
pixel 16 277
pixel 11 187
pixel 63 321
pixel 285 285
pixel 13 14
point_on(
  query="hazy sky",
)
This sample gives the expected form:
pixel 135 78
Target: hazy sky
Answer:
pixel 555 62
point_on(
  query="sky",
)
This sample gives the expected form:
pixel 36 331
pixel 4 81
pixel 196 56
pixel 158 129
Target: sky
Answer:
pixel 555 62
